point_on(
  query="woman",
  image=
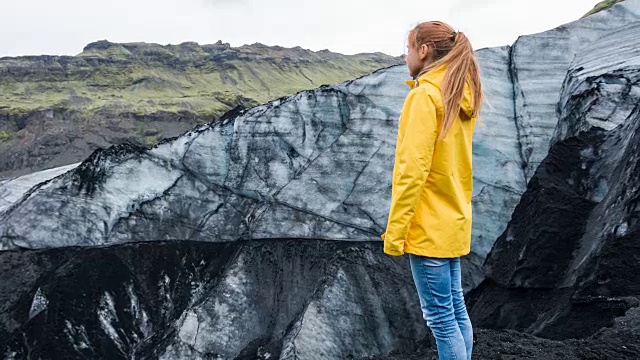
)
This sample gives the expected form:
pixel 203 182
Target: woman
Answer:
pixel 430 213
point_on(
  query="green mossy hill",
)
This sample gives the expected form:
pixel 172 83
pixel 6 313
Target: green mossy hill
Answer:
pixel 604 5
pixel 143 78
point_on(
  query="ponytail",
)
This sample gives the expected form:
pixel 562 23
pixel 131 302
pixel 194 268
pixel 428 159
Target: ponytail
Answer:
pixel 454 49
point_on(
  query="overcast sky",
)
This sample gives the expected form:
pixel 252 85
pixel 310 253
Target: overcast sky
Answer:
pixel 64 27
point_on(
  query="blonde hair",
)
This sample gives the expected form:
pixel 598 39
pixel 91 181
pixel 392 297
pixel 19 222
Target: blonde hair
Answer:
pixel 454 49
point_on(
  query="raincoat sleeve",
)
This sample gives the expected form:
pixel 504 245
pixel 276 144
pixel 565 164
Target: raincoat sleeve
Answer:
pixel 414 152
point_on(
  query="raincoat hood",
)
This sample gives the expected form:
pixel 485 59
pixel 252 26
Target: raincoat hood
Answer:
pixel 435 77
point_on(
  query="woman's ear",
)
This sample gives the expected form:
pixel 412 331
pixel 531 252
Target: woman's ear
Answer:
pixel 423 52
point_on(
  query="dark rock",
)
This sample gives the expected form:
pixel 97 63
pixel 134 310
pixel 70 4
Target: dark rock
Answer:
pixel 197 300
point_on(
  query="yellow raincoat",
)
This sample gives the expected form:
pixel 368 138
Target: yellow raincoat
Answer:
pixel 430 212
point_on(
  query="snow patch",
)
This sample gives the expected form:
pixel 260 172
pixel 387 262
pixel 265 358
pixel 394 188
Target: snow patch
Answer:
pixel 12 190
pixel 141 318
pixel 109 319
pixel 77 336
pixel 38 304
pixel 189 329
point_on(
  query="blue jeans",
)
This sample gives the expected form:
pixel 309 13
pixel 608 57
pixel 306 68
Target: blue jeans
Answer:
pixel 439 286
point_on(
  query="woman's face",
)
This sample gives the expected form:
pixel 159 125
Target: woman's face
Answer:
pixel 416 58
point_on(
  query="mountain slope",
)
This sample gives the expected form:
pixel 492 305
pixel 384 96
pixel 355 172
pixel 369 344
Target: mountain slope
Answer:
pixel 146 78
pixel 55 110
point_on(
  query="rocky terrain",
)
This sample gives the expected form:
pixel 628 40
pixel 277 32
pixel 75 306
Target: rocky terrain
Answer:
pixel 620 341
pixel 574 237
pixel 206 301
pixel 56 110
pixel 257 235
pixel 243 300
